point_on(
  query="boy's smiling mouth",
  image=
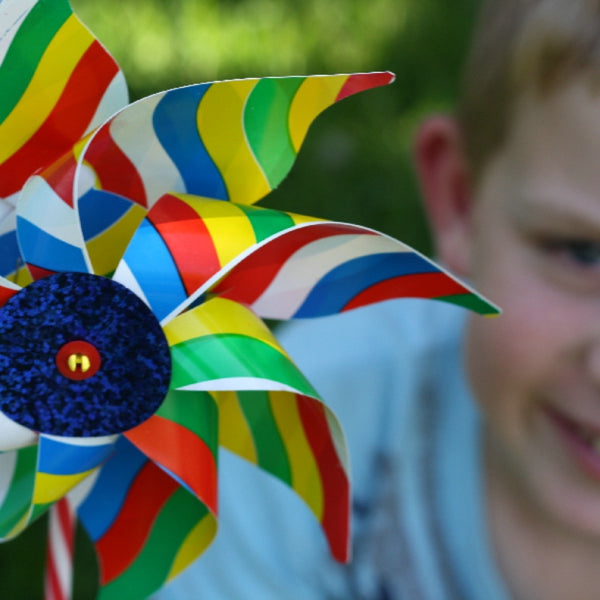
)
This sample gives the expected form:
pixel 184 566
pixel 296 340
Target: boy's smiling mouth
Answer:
pixel 583 441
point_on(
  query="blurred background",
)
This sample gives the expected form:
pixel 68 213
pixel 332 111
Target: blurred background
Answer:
pixel 355 164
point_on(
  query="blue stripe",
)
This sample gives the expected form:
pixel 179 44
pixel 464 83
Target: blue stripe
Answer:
pixel 175 125
pixel 61 458
pixel 104 502
pixel 9 253
pixel 152 265
pixel 43 250
pixel 98 210
pixel 341 284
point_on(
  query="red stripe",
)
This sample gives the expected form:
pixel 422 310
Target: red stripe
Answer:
pixel 421 285
pixel 67 523
pixel 67 122
pixel 115 171
pixel 52 589
pixel 6 294
pixel 60 176
pixel 38 272
pixel 121 544
pixel 336 487
pixel 182 452
pixel 251 277
pixel 363 81
pixel 188 240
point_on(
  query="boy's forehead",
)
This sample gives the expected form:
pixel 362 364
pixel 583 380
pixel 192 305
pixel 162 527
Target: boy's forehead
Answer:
pixel 549 163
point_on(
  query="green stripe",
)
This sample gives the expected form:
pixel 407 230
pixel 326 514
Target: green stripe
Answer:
pixel 196 411
pixel 266 222
pixel 266 125
pixel 471 302
pixel 151 568
pixel 20 494
pixel 270 449
pixel 26 50
pixel 226 355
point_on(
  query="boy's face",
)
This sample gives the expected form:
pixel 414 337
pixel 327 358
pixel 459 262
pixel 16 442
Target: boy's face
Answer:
pixel 534 249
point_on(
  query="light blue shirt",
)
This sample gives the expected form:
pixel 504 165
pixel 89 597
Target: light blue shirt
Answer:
pixel 393 375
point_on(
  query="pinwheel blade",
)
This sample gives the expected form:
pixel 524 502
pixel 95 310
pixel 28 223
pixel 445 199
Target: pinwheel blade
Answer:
pixel 17 481
pixel 298 440
pixel 228 140
pixel 185 240
pixel 7 290
pixel 221 345
pixel 182 437
pixel 64 462
pixel 319 269
pixel 145 527
pixel 48 231
pixel 58 84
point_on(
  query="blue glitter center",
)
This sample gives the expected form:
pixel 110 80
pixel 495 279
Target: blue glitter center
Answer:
pixel 37 322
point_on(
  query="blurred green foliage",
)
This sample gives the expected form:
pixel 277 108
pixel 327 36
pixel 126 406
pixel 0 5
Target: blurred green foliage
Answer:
pixel 355 164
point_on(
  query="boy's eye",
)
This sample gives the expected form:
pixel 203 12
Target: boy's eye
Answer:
pixel 583 252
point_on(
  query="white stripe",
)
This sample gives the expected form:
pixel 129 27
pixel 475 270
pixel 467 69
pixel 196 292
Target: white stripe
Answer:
pixel 124 276
pixel 13 286
pixel 7 215
pixel 42 207
pixel 304 269
pixel 81 491
pixel 133 132
pixel 114 99
pixel 240 384
pixel 13 435
pixel 104 440
pixel 8 462
pixel 12 15
pixel 59 549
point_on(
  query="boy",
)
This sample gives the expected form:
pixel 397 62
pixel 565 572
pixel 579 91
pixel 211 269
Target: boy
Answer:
pixel 475 442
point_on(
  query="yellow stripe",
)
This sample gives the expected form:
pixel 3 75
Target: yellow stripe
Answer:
pixel 194 544
pixel 300 219
pixel 229 227
pixel 221 125
pixel 313 96
pixel 218 315
pixel 50 488
pixel 306 480
pixel 21 524
pixel 48 82
pixel 234 433
pixel 107 248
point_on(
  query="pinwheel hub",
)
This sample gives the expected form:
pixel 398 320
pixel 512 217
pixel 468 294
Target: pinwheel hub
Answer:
pixel 81 355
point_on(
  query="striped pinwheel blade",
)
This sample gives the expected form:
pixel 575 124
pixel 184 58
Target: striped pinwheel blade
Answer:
pixel 325 268
pixel 35 477
pixel 58 83
pixel 17 481
pixel 186 424
pixel 145 527
pixel 50 238
pixel 185 240
pixel 297 439
pixel 221 345
pixel 228 140
pixel 7 290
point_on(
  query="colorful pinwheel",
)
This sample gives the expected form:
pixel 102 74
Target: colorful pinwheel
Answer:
pixel 136 273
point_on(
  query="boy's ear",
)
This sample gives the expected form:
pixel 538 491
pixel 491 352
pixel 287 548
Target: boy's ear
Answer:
pixel 446 188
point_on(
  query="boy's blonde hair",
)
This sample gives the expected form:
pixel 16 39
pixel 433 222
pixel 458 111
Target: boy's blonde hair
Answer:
pixel 522 45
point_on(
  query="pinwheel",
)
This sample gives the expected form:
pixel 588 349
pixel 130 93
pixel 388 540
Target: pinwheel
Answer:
pixel 136 277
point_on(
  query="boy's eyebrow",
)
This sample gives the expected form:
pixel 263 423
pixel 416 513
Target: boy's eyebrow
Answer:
pixel 570 211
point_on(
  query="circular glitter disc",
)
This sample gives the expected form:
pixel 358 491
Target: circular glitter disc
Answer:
pixel 80 355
